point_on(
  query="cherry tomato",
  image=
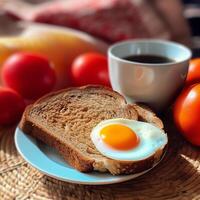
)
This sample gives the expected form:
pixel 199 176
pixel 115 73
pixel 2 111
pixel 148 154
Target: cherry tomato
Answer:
pixel 193 72
pixel 11 106
pixel 187 113
pixel 90 68
pixel 30 74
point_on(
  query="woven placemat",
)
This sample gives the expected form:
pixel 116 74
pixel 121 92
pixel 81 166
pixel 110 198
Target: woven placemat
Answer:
pixel 176 177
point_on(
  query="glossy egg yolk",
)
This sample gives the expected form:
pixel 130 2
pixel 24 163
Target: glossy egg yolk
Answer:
pixel 119 137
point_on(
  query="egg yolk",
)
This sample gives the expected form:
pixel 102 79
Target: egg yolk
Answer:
pixel 119 137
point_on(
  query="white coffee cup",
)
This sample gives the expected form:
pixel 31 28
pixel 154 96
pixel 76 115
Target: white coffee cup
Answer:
pixel 152 84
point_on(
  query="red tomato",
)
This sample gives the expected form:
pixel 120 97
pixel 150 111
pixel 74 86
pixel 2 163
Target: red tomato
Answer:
pixel 193 72
pixel 186 113
pixel 11 106
pixel 90 68
pixel 30 74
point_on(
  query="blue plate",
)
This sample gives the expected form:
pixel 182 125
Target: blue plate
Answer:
pixel 48 161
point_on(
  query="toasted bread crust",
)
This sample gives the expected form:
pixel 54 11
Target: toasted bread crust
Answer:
pixel 147 115
pixel 70 154
pixel 99 87
pixel 75 158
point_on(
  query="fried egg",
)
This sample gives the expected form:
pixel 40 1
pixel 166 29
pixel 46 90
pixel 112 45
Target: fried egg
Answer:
pixel 127 140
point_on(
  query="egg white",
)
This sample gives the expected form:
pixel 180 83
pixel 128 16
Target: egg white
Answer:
pixel 151 139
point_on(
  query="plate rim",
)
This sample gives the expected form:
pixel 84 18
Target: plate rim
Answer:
pixel 121 178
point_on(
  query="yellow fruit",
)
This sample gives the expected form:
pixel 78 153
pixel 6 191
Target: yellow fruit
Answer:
pixel 60 47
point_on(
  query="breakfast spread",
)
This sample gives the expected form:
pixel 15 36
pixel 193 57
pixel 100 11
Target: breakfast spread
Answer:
pixel 94 123
pixel 72 121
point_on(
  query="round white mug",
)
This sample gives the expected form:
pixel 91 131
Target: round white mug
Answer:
pixel 152 84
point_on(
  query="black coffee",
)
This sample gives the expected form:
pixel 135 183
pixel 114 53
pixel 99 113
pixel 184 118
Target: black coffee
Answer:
pixel 148 59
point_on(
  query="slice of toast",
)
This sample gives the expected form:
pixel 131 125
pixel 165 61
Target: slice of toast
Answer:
pixel 64 120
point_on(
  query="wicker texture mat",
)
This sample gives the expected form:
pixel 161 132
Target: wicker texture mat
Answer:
pixel 176 177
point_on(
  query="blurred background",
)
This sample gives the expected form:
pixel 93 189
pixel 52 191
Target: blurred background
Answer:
pixel 111 20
